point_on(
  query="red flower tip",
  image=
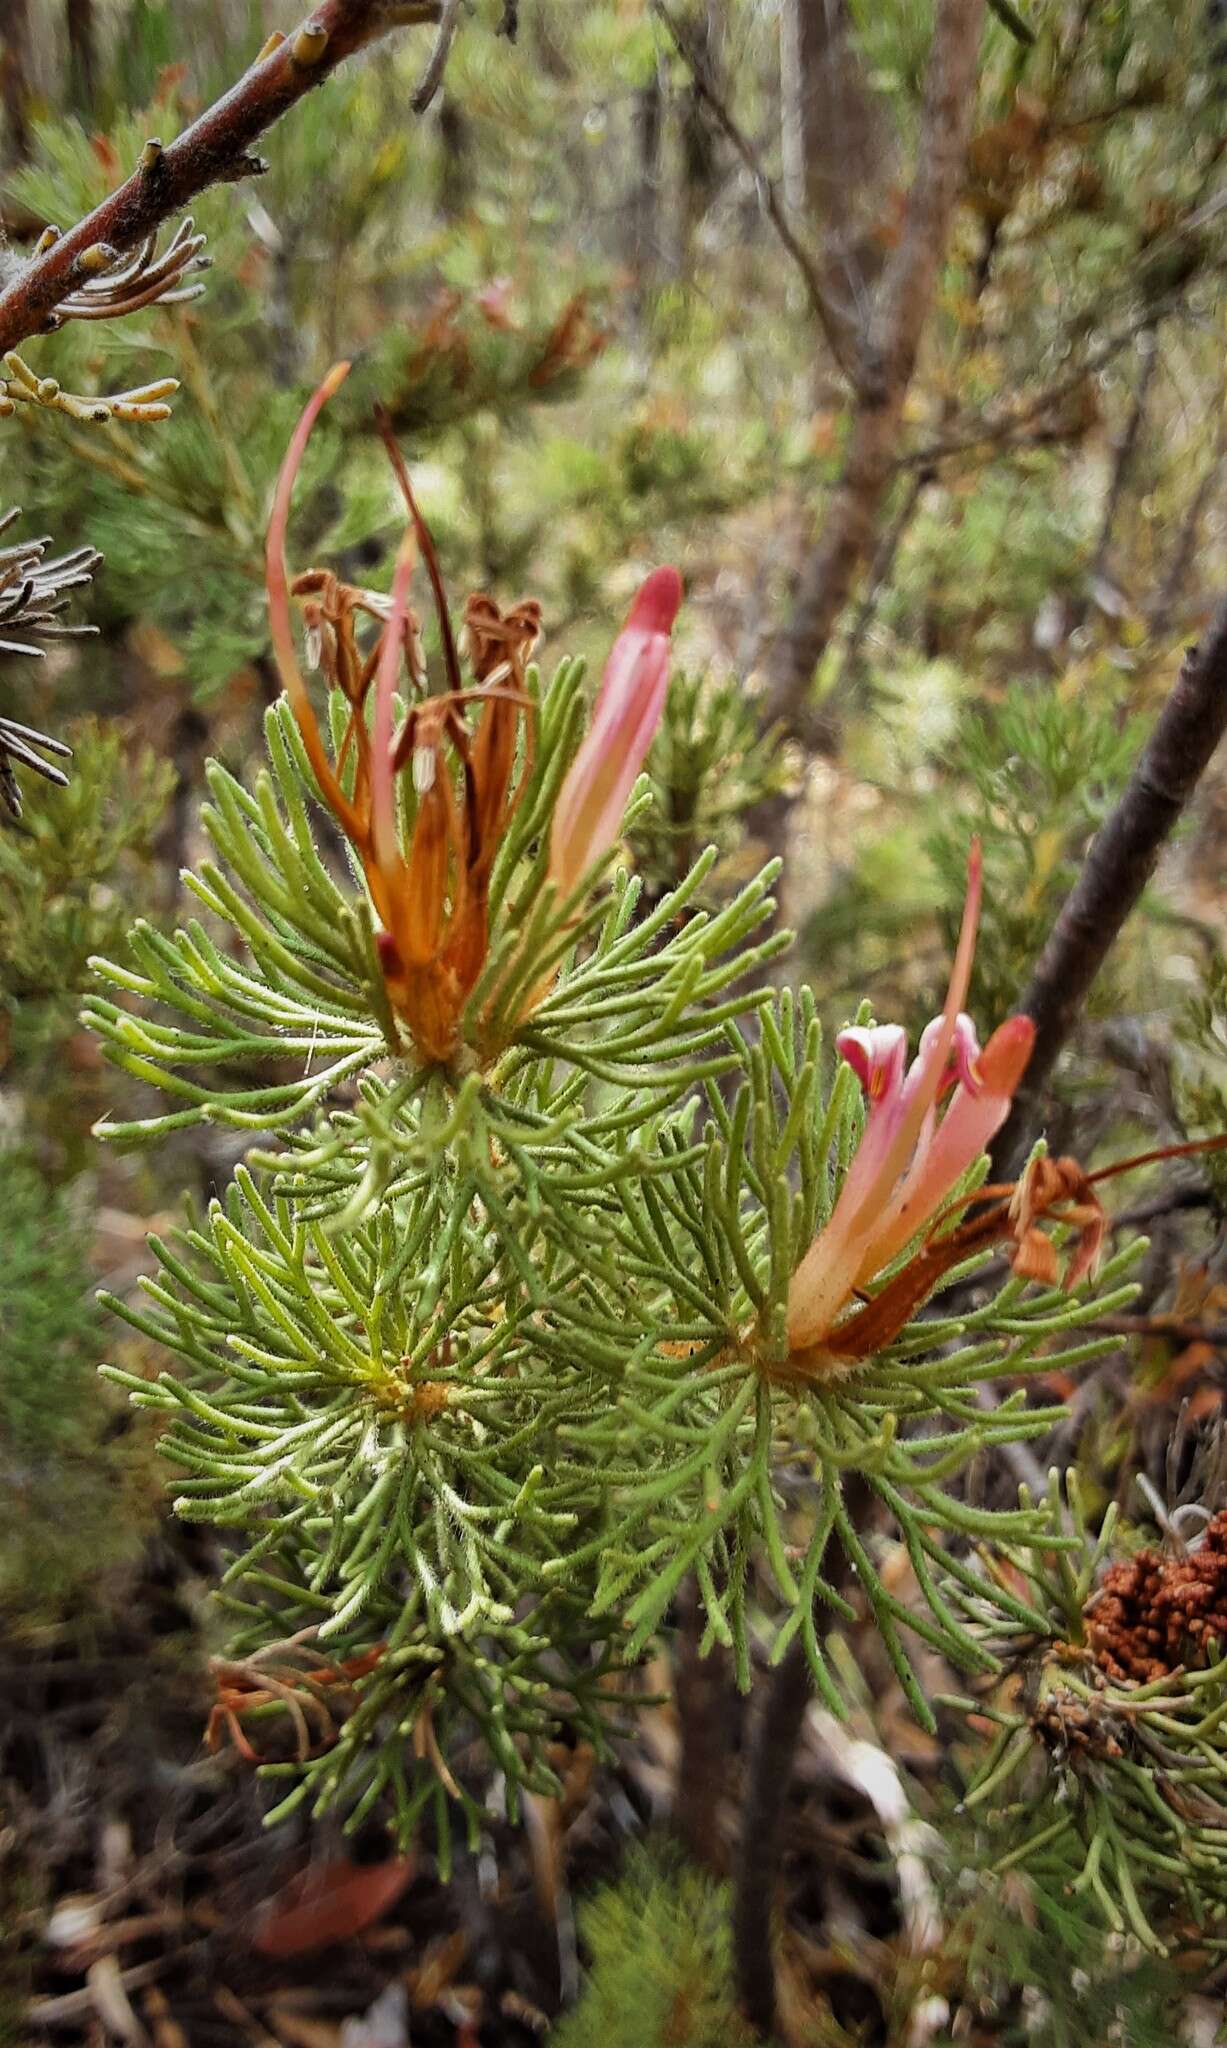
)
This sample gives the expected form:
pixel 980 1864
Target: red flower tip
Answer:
pixel 1003 1061
pixel 657 602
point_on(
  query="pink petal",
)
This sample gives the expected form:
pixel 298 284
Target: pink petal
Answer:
pixel 652 614
pixel 878 1058
pixel 977 1111
pixel 965 1052
pixel 876 1055
pixel 848 1246
pixel 631 699
pixel 657 602
pixel 920 1090
pixel 824 1279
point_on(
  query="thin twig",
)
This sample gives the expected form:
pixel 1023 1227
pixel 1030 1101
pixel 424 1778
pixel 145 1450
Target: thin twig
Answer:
pixel 1010 18
pixel 901 309
pixel 1126 453
pixel 879 575
pixel 833 320
pixel 1190 526
pixel 1120 862
pixel 1033 421
pixel 216 147
pixel 1176 1329
pixel 1194 1195
pixel 432 77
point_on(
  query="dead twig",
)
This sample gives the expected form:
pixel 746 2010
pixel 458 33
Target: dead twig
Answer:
pixel 80 2005
pixel 1176 1329
pixel 432 77
pixel 833 319
pixel 1048 414
pixel 901 309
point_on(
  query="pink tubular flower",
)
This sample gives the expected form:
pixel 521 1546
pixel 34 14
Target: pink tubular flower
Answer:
pixel 627 712
pixel 908 1163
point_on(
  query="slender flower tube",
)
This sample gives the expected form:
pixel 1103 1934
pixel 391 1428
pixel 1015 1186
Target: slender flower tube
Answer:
pixel 625 718
pixel 908 1162
pixel 978 1108
pixel 277 577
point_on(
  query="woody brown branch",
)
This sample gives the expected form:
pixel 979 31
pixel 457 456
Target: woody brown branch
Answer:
pixel 216 147
pixel 1121 861
pixel 786 1693
pixel 899 315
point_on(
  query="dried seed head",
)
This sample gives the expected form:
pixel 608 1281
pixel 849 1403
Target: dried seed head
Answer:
pixel 1154 1614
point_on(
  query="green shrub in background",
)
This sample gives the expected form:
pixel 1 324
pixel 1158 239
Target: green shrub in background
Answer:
pixel 71 873
pixel 77 1501
pixel 660 1963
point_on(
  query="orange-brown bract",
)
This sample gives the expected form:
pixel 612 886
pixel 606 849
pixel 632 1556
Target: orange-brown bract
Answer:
pixel 432 900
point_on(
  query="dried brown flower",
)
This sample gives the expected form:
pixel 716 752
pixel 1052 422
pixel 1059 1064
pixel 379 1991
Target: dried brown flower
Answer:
pixel 1155 1614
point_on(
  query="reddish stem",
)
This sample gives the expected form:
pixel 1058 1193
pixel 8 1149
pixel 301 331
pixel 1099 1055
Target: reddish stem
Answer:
pixel 215 148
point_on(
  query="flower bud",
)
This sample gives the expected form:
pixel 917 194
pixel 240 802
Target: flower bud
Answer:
pixel 1003 1062
pixel 628 710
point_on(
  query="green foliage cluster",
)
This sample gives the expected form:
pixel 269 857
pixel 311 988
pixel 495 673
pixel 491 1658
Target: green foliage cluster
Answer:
pixel 480 1369
pixel 659 1963
pixel 710 764
pixel 1041 770
pixel 1031 776
pixel 1033 1964
pixel 79 1499
pixel 70 874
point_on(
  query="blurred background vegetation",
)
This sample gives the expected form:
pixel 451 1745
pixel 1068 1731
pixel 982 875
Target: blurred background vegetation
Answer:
pixel 599 354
